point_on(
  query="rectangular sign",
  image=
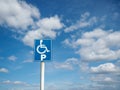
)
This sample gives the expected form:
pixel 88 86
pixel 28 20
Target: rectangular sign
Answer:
pixel 42 50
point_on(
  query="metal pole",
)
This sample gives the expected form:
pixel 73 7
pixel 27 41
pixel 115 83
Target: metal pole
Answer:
pixel 42 75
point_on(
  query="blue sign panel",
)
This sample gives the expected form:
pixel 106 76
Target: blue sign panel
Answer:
pixel 42 50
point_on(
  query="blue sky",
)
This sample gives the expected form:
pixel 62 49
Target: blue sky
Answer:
pixel 86 44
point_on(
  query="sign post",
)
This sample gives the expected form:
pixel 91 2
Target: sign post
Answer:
pixel 42 75
pixel 42 52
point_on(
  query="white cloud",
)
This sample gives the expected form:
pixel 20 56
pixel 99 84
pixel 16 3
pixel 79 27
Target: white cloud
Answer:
pixel 99 78
pixel 7 81
pixel 4 70
pixel 72 60
pixel 97 45
pixel 18 82
pixel 50 23
pixel 12 58
pixel 97 33
pixel 105 80
pixel 15 82
pixel 20 85
pixel 84 21
pixel 17 14
pixel 25 19
pixel 108 79
pixel 28 61
pixel 84 66
pixel 105 68
pixel 47 27
pixel 68 64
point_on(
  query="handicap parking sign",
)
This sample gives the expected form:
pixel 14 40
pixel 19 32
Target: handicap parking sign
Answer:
pixel 42 50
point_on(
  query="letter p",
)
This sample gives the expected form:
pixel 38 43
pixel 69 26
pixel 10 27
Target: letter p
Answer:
pixel 43 56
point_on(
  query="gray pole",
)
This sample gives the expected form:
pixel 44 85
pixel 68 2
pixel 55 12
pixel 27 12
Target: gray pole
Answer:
pixel 42 74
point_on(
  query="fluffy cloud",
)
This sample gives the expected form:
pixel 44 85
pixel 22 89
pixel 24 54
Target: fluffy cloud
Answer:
pixel 68 64
pixel 84 21
pixel 12 58
pixel 17 14
pixel 105 68
pixel 4 70
pixel 47 27
pixel 25 20
pixel 97 45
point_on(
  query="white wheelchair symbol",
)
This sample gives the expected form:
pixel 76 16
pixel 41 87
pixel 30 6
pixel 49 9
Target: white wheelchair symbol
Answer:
pixel 42 46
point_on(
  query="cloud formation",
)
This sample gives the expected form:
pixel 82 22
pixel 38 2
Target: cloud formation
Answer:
pixel 14 82
pixel 84 21
pixel 12 58
pixel 25 19
pixel 106 82
pixel 27 61
pixel 17 14
pixel 105 68
pixel 68 64
pixel 97 45
pixel 47 27
pixel 4 70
